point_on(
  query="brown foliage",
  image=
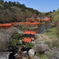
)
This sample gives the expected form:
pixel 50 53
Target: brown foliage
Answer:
pixel 6 37
pixel 57 28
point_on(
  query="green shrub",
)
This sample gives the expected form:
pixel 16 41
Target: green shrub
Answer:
pixel 29 45
pixel 1 6
pixel 56 18
pixel 42 56
pixel 14 42
pixel 53 43
pixel 57 29
pixel 17 36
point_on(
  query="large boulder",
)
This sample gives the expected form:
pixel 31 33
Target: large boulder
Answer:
pixel 36 57
pixel 40 48
pixel 31 53
pixel 4 55
pixel 53 53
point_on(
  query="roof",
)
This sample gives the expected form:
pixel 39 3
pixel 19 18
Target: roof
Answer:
pixel 27 40
pixel 46 19
pixel 32 23
pixel 22 23
pixel 13 23
pixel 7 24
pixel 32 19
pixel 18 23
pixel 29 32
pixel 0 25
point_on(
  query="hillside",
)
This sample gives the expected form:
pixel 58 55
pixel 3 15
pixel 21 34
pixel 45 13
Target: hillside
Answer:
pixel 14 12
pixel 38 38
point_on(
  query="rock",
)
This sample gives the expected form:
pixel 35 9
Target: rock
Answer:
pixel 31 53
pixel 53 53
pixel 42 38
pixel 53 57
pixel 40 48
pixel 33 42
pixel 4 55
pixel 35 57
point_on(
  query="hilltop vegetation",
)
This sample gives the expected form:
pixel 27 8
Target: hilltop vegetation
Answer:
pixel 55 19
pixel 48 41
pixel 14 12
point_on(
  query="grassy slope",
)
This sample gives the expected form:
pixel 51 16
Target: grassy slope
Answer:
pixel 51 32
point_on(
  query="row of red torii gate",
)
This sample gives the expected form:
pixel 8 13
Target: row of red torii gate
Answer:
pixel 29 22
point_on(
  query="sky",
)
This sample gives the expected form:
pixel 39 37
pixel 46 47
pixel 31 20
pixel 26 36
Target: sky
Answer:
pixel 40 5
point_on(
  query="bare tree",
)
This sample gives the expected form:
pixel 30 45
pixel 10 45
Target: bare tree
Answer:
pixel 6 37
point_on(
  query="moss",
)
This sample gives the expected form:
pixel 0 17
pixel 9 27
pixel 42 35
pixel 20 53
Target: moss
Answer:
pixel 16 36
pixel 42 56
pixel 29 45
pixel 14 42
